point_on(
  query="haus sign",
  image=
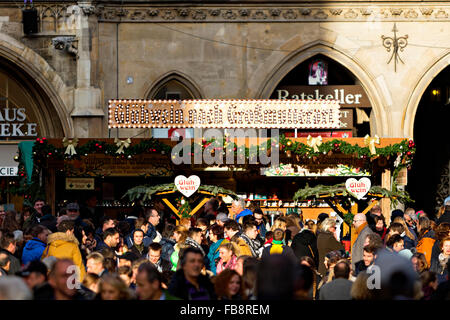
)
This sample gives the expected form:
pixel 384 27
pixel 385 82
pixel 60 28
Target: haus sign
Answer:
pixel 306 114
pixel 350 96
pixel 12 123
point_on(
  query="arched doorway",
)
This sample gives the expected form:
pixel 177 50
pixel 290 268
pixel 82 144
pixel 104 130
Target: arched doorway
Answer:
pixel 20 91
pixel 173 86
pixel 429 178
pixel 336 82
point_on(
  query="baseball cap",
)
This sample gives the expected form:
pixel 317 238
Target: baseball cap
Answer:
pixel 34 266
pixel 73 206
pixel 222 217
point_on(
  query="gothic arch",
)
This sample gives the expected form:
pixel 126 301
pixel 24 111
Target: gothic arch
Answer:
pixel 183 79
pixel 430 72
pixel 284 66
pixel 47 88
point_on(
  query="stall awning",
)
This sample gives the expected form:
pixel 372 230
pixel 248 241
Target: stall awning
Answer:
pixel 8 166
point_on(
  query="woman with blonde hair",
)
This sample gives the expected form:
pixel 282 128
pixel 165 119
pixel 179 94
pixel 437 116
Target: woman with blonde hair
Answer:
pixel 112 287
pixel 228 253
pixel 327 242
pixel 409 238
pixel 180 235
pixel 293 225
pixel 91 281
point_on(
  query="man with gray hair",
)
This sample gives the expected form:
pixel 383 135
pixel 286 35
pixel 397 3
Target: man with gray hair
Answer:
pixel 446 215
pixel 238 208
pixel 362 230
pixel 14 288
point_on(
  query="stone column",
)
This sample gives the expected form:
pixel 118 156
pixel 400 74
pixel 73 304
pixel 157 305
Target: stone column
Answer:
pixel 88 113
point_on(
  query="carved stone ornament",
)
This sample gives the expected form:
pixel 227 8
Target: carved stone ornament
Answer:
pixel 259 14
pixel 351 14
pixel 290 14
pixel 183 12
pixel 336 12
pixel 244 12
pixel 366 11
pixel 275 12
pixel 441 14
pixel 320 15
pixel 168 15
pixel 137 15
pixel 411 14
pixel 396 12
pixel 153 12
pixel 199 15
pixel 426 11
pixel 305 11
pixel 87 9
pixel 66 43
pixel 214 12
pixel 229 15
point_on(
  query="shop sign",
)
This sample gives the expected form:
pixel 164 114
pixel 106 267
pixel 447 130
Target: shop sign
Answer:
pixel 103 165
pixel 289 114
pixel 80 183
pixel 8 171
pixel 358 187
pixel 289 170
pixel 402 177
pixel 187 186
pixel 348 96
pixel 12 123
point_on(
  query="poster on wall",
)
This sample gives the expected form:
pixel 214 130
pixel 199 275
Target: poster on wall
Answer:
pixel 318 73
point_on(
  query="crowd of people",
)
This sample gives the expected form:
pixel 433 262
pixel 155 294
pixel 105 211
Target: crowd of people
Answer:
pixel 221 254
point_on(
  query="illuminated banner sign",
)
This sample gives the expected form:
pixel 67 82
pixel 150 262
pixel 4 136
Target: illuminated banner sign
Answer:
pixel 300 114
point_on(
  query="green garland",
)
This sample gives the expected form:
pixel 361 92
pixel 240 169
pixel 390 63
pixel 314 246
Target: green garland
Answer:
pixel 402 153
pixel 313 193
pixel 145 192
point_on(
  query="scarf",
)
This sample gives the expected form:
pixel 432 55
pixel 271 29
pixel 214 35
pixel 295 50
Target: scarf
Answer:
pixel 140 247
pixel 191 242
pixel 277 247
pixel 251 244
pixel 231 264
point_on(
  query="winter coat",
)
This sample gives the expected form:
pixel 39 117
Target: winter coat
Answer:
pixel 129 240
pixel 33 250
pixel 305 244
pixel 14 265
pixel 167 248
pixel 183 289
pixel 444 218
pixel 425 245
pixel 244 249
pixel 192 243
pixel 253 245
pixel 358 246
pixel 61 245
pixel 136 251
pixel 213 255
pixel 338 289
pixel 326 242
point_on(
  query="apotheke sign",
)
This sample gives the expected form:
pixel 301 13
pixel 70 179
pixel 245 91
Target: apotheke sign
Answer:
pixel 350 96
pixel 12 123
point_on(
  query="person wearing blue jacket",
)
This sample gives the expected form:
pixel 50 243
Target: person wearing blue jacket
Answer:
pixel 35 247
pixel 216 236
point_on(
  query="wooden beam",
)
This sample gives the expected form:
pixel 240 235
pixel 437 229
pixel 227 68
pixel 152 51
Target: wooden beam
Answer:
pixel 50 185
pixel 205 200
pixel 175 210
pixel 386 202
pixel 370 206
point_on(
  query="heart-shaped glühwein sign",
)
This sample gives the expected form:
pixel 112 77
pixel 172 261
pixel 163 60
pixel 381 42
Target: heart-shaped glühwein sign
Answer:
pixel 187 186
pixel 358 187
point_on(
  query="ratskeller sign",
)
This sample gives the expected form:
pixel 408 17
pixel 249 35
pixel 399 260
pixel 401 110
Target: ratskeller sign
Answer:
pixel 301 114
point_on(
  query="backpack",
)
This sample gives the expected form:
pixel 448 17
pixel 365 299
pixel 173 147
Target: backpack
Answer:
pixel 425 246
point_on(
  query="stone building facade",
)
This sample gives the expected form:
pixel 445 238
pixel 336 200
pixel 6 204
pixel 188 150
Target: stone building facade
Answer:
pixel 86 53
